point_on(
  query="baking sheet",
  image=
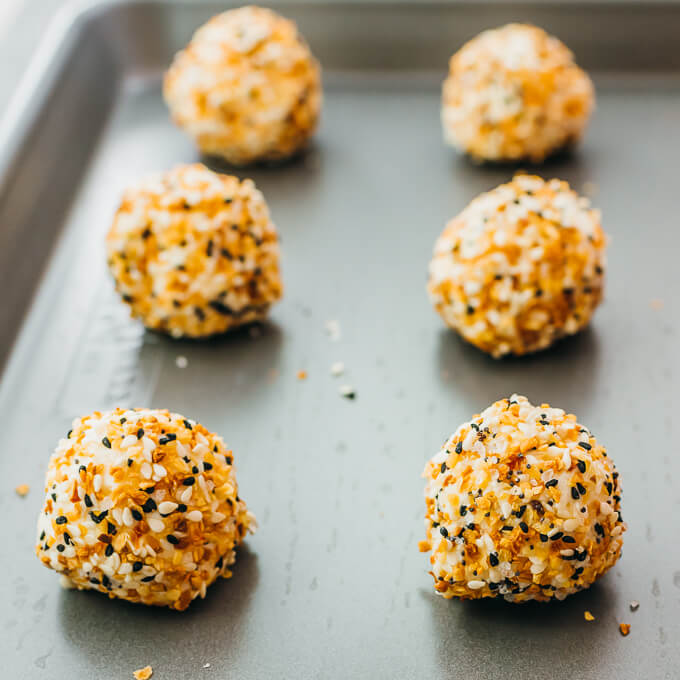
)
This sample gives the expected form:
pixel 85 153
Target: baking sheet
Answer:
pixel 332 585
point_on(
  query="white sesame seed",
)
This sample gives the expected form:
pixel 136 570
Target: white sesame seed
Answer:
pixel 181 362
pixel 217 517
pixel 185 496
pixel 347 391
pixel 146 471
pixel 194 516
pixel 338 368
pixel 97 483
pixel 128 519
pixel 156 524
pixel 159 471
pixel 475 585
pixel 166 507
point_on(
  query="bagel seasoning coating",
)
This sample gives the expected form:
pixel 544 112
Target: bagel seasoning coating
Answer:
pixel 246 88
pixel 523 503
pixel 522 266
pixel 194 253
pixel 515 93
pixel 142 505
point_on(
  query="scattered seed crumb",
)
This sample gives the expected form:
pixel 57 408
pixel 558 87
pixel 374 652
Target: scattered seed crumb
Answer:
pixel 254 332
pixel 347 391
pixel 333 329
pixel 588 616
pixel 181 362
pixel 634 605
pixel 22 489
pixel 656 304
pixel 302 375
pixel 590 189
pixel 624 628
pixel 206 665
pixel 338 368
pixel 143 673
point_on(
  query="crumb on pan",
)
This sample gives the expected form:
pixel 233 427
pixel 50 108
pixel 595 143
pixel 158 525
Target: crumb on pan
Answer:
pixel 624 628
pixel 142 505
pixel 522 503
pixel 522 266
pixel 143 673
pixel 588 616
pixel 194 253
pixel 515 93
pixel 22 490
pixel 246 87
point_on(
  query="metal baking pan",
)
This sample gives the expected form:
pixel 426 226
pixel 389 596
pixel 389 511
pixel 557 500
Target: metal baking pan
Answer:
pixel 332 585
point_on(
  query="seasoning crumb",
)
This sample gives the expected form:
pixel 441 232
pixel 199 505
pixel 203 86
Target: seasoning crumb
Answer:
pixel 206 665
pixel 332 328
pixel 656 304
pixel 347 391
pixel 302 375
pixel 22 489
pixel 624 628
pixel 588 616
pixel 634 605
pixel 143 673
pixel 181 362
pixel 338 368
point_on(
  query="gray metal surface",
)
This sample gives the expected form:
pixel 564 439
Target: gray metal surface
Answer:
pixel 332 585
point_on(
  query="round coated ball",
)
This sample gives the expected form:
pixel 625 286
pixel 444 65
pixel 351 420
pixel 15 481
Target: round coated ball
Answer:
pixel 141 505
pixel 246 88
pixel 515 93
pixel 522 503
pixel 522 266
pixel 194 253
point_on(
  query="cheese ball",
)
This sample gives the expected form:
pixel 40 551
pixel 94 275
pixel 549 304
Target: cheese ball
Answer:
pixel 515 93
pixel 522 503
pixel 246 88
pixel 522 266
pixel 141 505
pixel 194 253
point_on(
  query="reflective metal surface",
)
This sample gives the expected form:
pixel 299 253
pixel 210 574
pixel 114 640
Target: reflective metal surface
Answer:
pixel 332 585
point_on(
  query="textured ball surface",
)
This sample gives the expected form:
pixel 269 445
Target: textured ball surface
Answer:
pixel 515 93
pixel 142 505
pixel 246 88
pixel 523 503
pixel 522 266
pixel 194 253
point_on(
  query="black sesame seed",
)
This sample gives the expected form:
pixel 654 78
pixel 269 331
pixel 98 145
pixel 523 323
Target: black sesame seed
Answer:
pixel 149 505
pixel 54 496
pixel 97 518
pixel 442 467
pixel 470 309
pixel 172 539
pixel 459 447
pixel 136 514
pixel 146 579
pixel 569 539
pixel 194 469
pixel 62 519
pixel 181 508
pixel 598 529
pixel 123 421
pixel 88 501
pixel 219 563
pixel 207 466
pixel 556 536
pixel 189 481
pixel 228 459
pixel 42 536
pixel 106 581
pixel 136 566
pixel 581 488
pixel 550 482
pixel 82 468
pixel 463 510
pixel 140 433
pixel 187 424
pixel 61 547
pixel 109 550
pixel 523 526
pixel 68 434
pixel 585 445
pixel 574 493
pixel 443 531
pixel 581 465
pixel 106 442
pixel 543 537
pixel 493 559
pixel 111 529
